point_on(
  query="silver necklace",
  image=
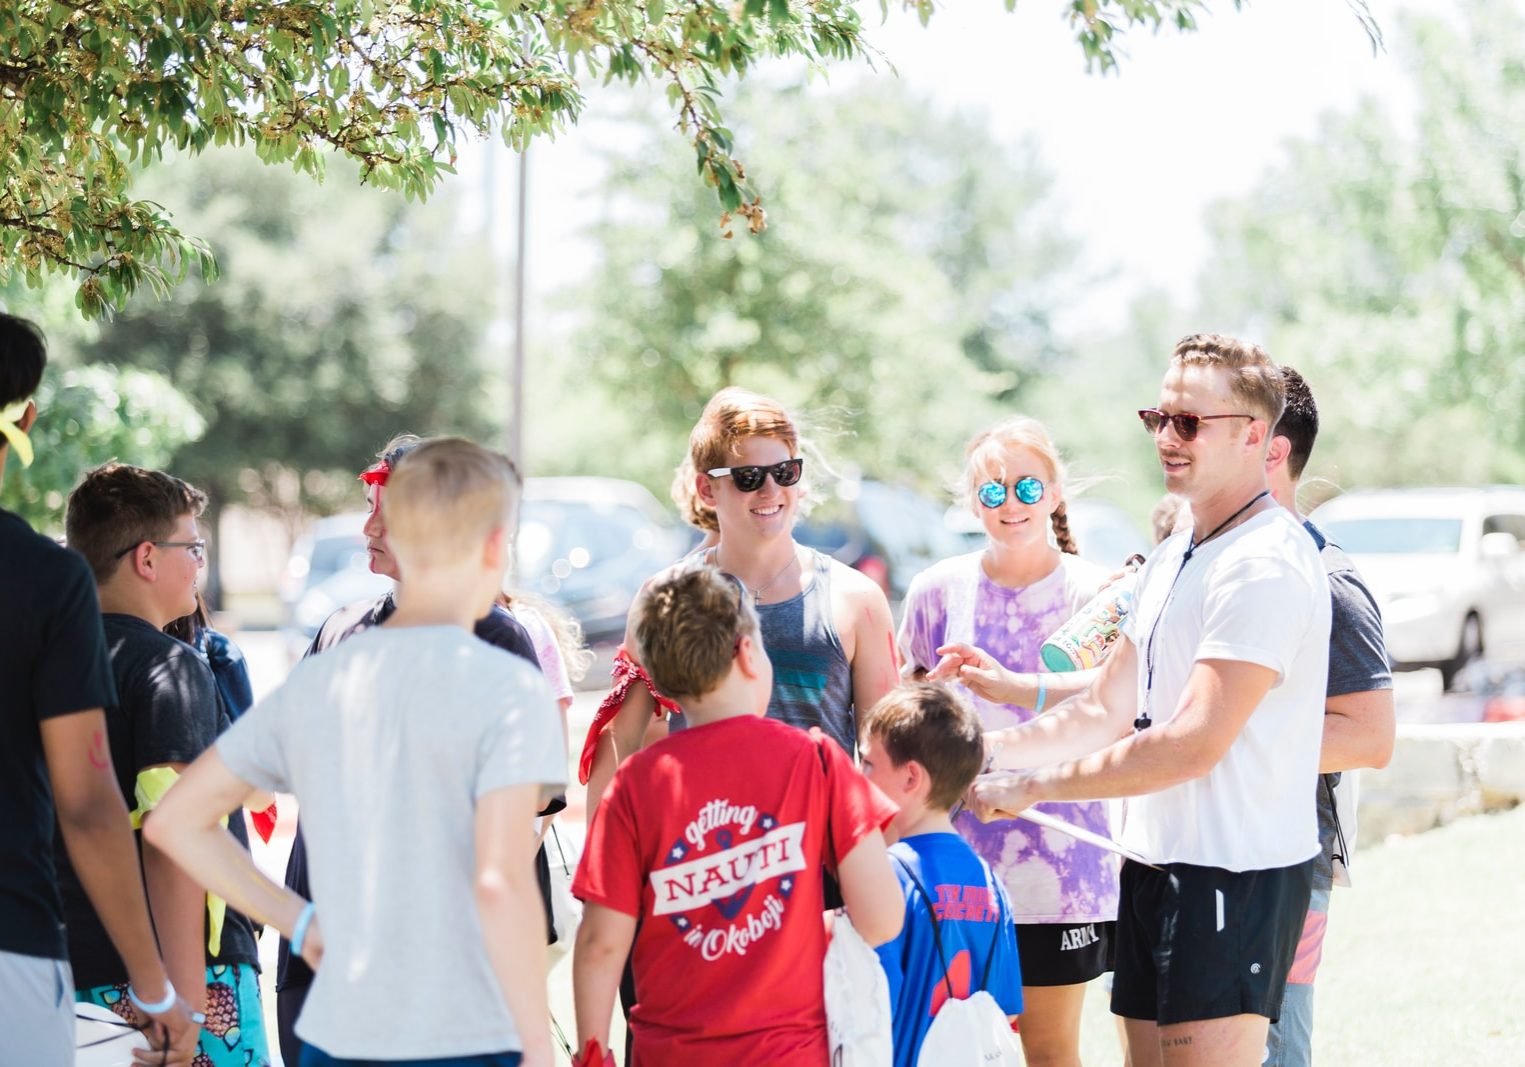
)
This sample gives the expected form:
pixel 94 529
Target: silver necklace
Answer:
pixel 757 594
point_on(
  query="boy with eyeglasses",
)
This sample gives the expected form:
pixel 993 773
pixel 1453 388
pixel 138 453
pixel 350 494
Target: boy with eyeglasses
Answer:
pixel 137 530
pixel 55 766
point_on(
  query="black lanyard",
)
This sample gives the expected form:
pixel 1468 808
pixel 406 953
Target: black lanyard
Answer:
pixel 1143 721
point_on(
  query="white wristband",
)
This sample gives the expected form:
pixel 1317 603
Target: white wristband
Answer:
pixel 170 996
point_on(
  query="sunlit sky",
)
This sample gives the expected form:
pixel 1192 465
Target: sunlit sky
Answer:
pixel 1137 155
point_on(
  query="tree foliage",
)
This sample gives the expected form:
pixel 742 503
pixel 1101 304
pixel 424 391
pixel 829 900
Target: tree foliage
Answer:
pixel 1390 266
pixel 339 320
pixel 898 282
pixel 91 88
pixel 86 416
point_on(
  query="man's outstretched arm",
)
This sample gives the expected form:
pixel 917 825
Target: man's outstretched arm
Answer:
pixel 1092 719
pixel 1219 697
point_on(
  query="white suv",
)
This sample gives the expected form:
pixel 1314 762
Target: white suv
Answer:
pixel 1447 567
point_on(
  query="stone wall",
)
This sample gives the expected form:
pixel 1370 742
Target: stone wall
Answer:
pixel 1440 772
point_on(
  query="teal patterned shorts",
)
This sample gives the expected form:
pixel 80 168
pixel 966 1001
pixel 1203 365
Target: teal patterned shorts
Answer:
pixel 234 1034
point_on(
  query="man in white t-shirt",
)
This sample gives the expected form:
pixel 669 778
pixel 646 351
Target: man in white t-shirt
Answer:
pixel 1208 717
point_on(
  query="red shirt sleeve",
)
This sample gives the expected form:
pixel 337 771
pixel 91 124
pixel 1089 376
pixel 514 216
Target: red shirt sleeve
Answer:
pixel 855 806
pixel 610 873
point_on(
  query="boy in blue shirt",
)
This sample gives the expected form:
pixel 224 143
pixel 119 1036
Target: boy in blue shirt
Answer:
pixel 922 746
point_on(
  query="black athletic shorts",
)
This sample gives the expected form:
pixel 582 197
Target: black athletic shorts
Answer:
pixel 1205 943
pixel 1064 953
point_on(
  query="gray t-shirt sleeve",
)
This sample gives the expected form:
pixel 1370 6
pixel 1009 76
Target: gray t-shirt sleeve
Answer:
pixel 254 749
pixel 524 744
pixel 1357 653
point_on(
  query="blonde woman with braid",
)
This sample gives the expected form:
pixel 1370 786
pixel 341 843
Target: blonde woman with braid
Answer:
pixel 1005 599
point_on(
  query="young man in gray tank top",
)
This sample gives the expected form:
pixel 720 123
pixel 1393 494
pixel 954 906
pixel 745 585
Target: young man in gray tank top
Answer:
pixel 826 628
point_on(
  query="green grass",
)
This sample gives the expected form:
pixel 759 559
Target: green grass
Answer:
pixel 1424 956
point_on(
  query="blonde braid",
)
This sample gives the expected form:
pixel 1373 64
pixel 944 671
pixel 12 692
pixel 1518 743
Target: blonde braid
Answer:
pixel 1061 523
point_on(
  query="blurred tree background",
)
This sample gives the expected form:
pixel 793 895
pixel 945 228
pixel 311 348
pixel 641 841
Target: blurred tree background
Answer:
pixel 1389 264
pixel 912 285
pixel 902 295
pixel 91 89
pixel 1384 259
pixel 339 318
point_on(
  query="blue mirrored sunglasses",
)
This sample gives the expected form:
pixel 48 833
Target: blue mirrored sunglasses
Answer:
pixel 1029 490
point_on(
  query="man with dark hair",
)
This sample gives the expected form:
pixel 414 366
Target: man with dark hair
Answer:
pixel 137 530
pixel 1358 720
pixel 1298 424
pixel 294 978
pixel 55 763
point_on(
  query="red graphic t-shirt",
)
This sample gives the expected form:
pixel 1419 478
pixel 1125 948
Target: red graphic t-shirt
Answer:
pixel 715 839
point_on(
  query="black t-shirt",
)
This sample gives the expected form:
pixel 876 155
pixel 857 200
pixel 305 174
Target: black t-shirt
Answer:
pixel 167 711
pixel 497 628
pixel 52 663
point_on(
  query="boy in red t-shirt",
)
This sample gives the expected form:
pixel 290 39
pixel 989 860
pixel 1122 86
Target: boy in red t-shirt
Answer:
pixel 708 849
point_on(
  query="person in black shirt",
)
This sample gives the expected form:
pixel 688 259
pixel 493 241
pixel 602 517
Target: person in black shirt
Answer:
pixel 54 761
pixel 293 977
pixel 137 530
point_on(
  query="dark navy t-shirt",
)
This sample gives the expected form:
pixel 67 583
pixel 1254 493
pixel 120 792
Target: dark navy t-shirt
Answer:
pixel 52 663
pixel 1357 664
pixel 167 711
pixel 975 927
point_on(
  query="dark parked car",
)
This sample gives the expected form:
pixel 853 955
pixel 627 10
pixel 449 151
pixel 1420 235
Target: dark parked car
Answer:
pixel 587 544
pixel 888 532
pixel 328 568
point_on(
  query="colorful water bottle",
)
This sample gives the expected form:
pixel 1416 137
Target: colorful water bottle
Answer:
pixel 1084 641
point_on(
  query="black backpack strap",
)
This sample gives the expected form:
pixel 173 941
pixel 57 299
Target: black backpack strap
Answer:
pixel 937 934
pixel 1341 852
pixel 1001 920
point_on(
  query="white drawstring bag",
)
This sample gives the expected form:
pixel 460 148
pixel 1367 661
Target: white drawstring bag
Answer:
pixel 102 1038
pixel 858 1022
pixel 972 1031
pixel 563 854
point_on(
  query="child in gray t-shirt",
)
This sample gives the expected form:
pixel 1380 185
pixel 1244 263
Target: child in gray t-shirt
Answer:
pixel 419 756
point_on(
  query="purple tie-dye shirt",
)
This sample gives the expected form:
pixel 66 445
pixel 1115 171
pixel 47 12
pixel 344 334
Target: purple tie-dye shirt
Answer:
pixel 1051 877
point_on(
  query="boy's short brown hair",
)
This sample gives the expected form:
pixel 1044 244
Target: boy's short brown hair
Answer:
pixel 936 727
pixel 445 496
pixel 117 507
pixel 686 625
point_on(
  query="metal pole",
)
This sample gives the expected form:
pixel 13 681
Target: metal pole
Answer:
pixel 514 441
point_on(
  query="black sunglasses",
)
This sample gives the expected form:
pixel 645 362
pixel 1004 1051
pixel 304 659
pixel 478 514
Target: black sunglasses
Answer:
pixel 750 479
pixel 1186 424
